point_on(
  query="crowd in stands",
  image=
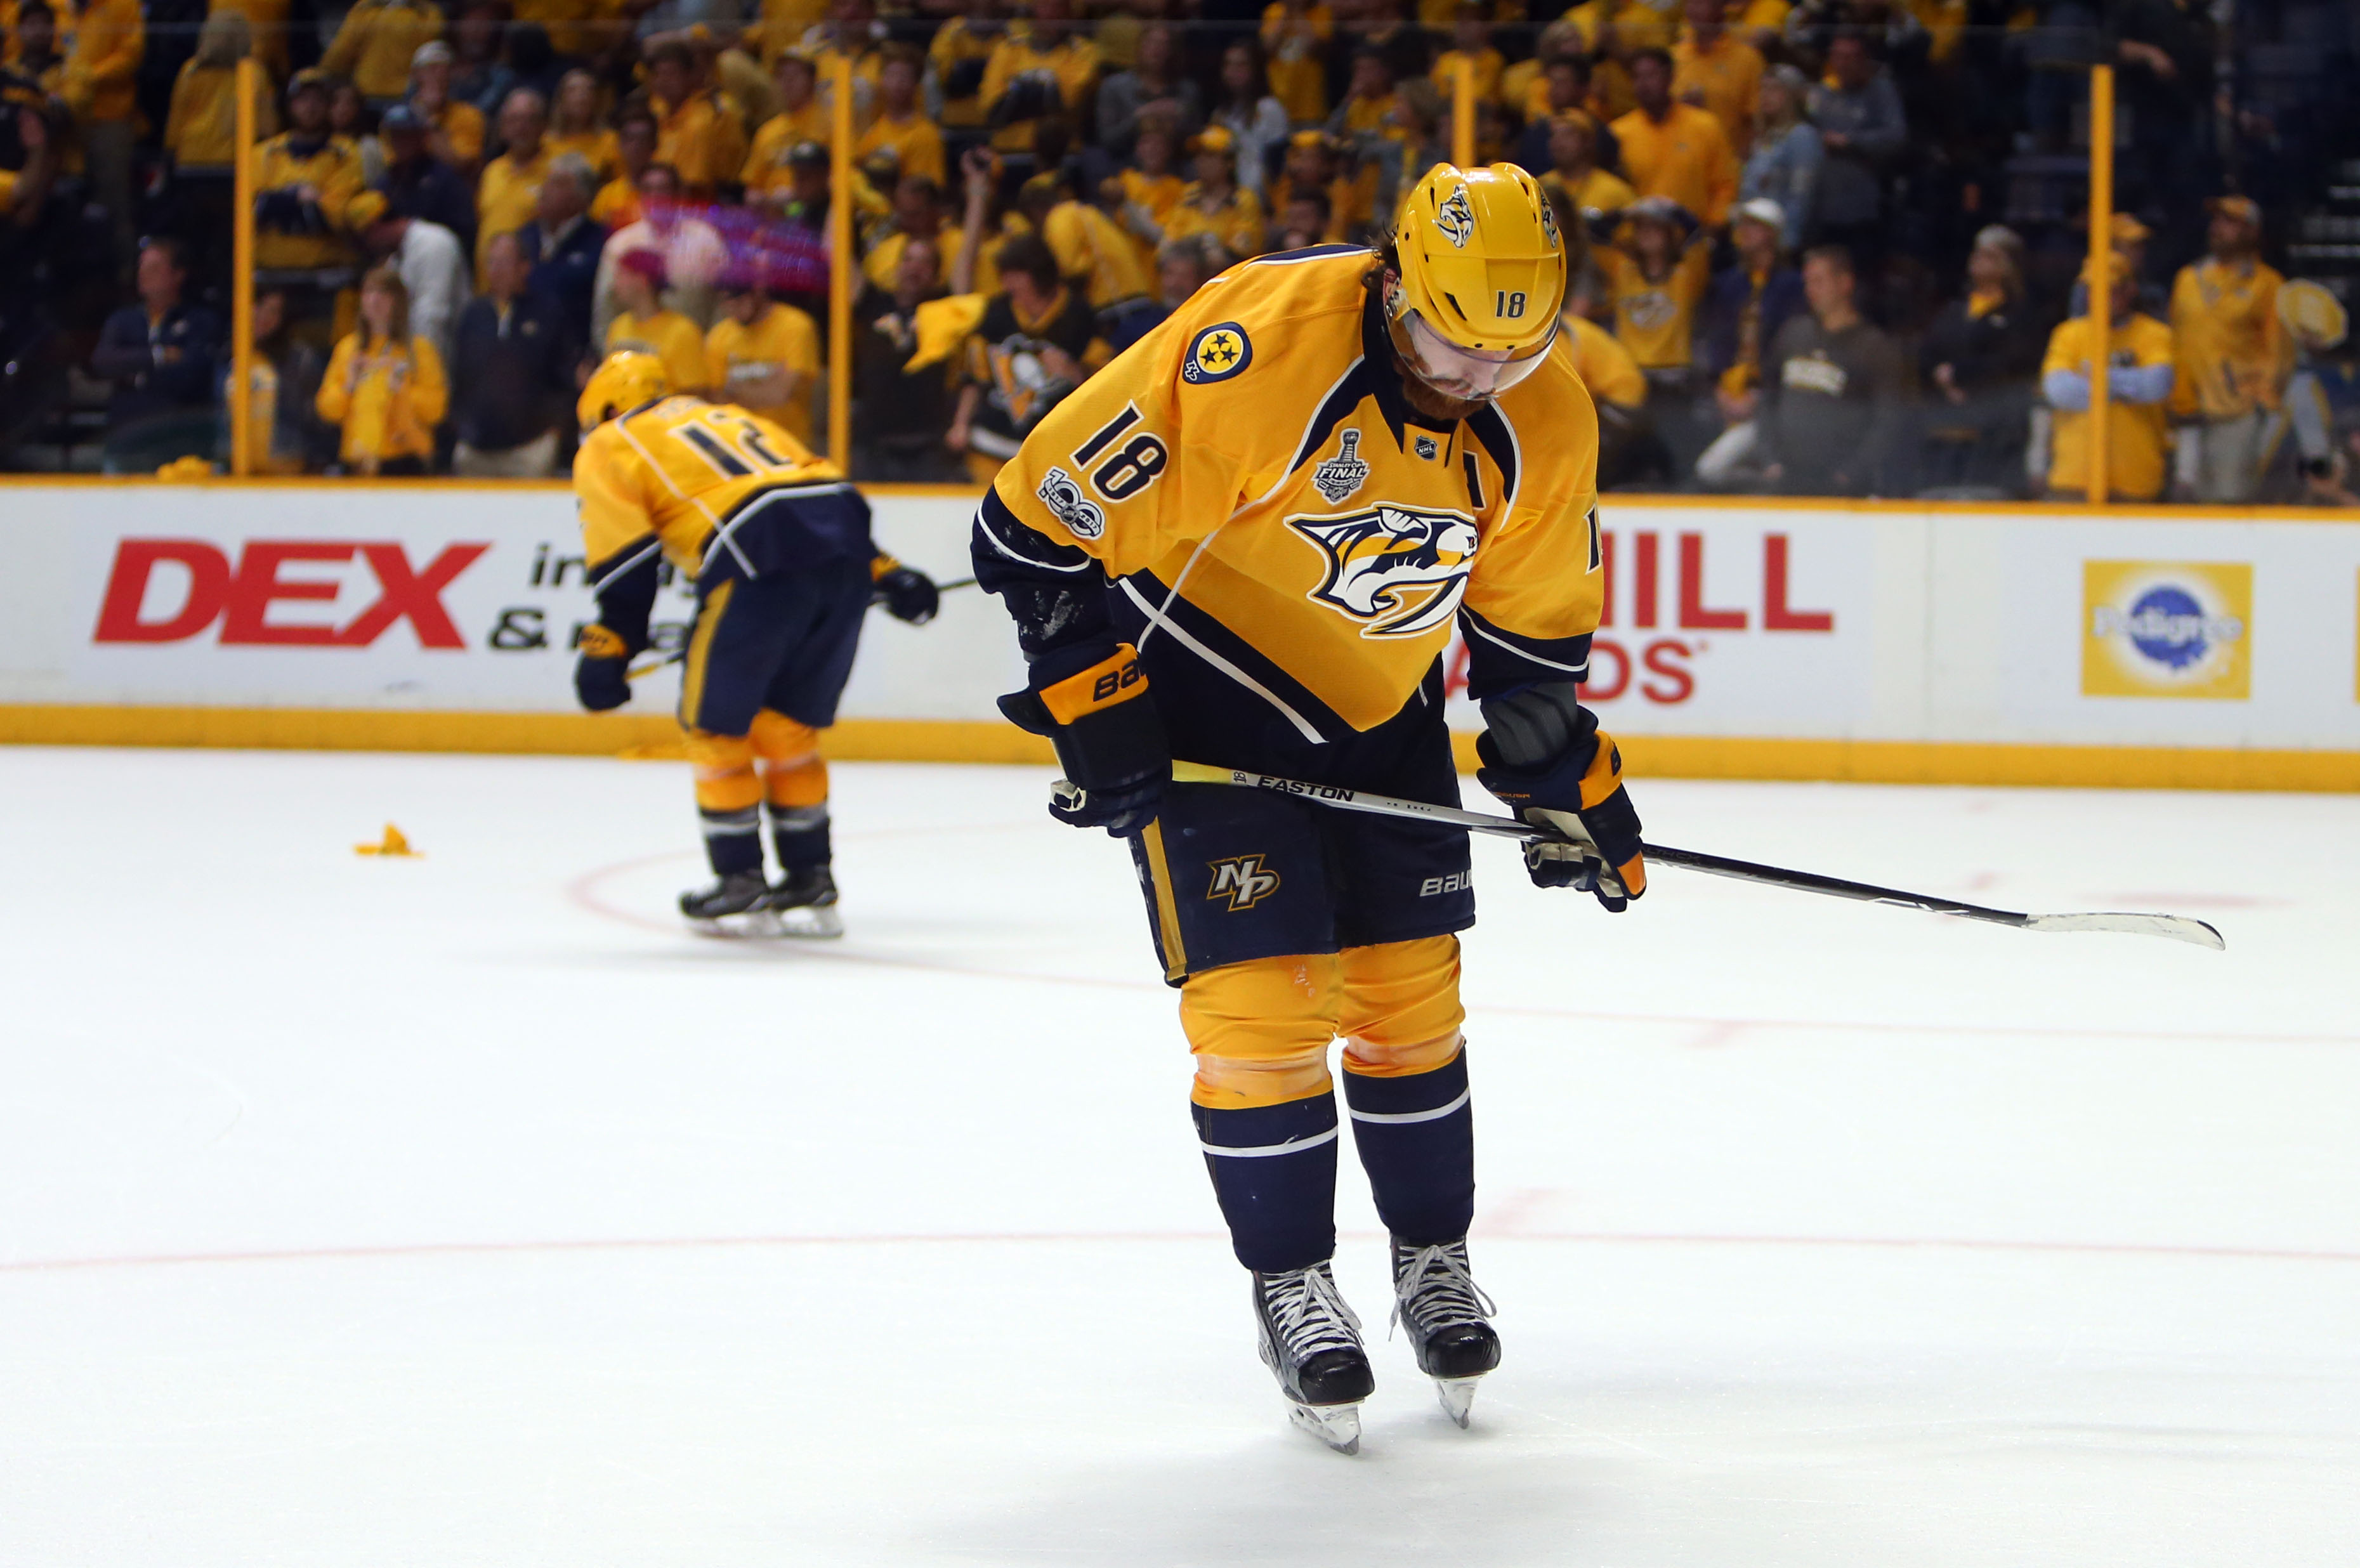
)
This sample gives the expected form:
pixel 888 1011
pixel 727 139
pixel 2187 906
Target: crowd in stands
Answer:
pixel 1821 246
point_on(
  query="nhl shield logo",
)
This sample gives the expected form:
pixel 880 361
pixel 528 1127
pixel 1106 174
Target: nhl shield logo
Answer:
pixel 1342 473
pixel 1456 218
pixel 1397 572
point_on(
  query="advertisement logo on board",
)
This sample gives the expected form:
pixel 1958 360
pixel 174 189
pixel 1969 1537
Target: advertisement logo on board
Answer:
pixel 2167 628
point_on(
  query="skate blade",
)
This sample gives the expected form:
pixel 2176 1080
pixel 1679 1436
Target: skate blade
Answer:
pixel 809 922
pixel 1338 1426
pixel 751 925
pixel 1457 1397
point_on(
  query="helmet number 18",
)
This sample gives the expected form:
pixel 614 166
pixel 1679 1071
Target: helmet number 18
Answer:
pixel 1512 305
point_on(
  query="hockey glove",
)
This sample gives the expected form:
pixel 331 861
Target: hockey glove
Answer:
pixel 907 596
pixel 601 673
pixel 1091 703
pixel 1544 755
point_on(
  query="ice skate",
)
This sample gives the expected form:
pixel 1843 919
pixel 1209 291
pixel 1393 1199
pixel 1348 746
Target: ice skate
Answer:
pixel 1311 1342
pixel 802 903
pixel 736 906
pixel 1438 1301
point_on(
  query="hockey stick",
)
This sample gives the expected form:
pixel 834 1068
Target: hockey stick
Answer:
pixel 639 670
pixel 2178 928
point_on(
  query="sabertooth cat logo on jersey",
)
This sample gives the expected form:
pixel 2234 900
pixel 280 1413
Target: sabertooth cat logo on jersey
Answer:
pixel 1342 473
pixel 1064 498
pixel 1399 573
pixel 1243 881
pixel 1456 218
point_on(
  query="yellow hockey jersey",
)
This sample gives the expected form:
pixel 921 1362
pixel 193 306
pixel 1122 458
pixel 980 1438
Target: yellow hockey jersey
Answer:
pixel 1255 485
pixel 671 474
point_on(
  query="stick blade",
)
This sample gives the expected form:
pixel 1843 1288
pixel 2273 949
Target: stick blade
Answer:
pixel 2178 928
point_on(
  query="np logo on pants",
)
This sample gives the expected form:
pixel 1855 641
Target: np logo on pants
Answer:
pixel 1242 880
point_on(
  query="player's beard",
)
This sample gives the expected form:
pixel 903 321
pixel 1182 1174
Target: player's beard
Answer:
pixel 1434 405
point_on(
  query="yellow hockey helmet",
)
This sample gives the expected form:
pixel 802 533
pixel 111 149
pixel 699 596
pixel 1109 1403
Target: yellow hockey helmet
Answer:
pixel 1483 275
pixel 1482 260
pixel 625 380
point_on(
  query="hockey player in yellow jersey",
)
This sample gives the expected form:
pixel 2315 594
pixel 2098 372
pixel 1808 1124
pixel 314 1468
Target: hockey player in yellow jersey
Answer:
pixel 777 543
pixel 1247 542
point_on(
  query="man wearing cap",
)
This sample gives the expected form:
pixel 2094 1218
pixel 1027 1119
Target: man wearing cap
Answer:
pixel 1745 308
pixel 304 179
pixel 378 46
pixel 2231 354
pixel 455 127
pixel 417 184
pixel 1246 543
pixel 434 266
pixel 1214 202
pixel 2139 353
pixel 1573 167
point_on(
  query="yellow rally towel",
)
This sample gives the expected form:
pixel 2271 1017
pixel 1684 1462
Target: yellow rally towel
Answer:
pixel 943 325
pixel 393 845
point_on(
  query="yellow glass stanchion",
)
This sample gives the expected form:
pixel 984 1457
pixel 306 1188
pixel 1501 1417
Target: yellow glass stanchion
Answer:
pixel 247 85
pixel 1462 113
pixel 2102 246
pixel 841 271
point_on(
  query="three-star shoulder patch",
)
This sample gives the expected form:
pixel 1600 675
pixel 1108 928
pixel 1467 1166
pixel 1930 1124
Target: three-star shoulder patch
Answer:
pixel 1217 353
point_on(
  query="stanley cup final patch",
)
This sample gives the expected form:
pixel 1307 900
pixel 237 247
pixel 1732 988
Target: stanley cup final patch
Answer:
pixel 1217 353
pixel 1342 474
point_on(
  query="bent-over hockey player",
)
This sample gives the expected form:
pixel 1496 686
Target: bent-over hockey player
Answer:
pixel 1245 543
pixel 777 543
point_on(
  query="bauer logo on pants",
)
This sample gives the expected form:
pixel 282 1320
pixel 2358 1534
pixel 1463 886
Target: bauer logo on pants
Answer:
pixel 2167 628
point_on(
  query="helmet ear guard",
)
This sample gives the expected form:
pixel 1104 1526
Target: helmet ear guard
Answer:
pixel 1481 260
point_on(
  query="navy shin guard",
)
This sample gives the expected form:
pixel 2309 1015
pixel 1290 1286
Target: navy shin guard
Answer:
pixel 1416 1138
pixel 1274 1169
pixel 733 840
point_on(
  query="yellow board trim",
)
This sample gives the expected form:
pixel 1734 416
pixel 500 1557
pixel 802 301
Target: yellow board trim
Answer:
pixel 658 736
pixel 1167 909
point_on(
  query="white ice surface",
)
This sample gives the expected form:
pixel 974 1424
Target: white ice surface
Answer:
pixel 464 1210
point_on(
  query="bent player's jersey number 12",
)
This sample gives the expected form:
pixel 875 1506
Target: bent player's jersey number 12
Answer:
pixel 732 442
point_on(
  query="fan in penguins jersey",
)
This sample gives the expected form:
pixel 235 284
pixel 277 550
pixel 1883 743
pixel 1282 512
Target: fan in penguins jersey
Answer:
pixel 777 545
pixel 1246 543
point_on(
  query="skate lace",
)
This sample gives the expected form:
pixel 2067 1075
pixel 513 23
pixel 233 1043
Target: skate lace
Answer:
pixel 1310 1314
pixel 1435 1289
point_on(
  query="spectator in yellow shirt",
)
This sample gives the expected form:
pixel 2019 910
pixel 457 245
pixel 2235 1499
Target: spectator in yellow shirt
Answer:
pixel 384 387
pixel 1573 168
pixel 378 45
pixel 1366 115
pixel 1717 73
pixel 801 117
pixel 2139 353
pixel 644 324
pixel 99 86
pixel 2233 355
pixel 901 123
pixel 763 355
pixel 1655 276
pixel 1046 69
pixel 1672 149
pixel 200 132
pixel 1146 196
pixel 573 127
pixel 305 179
pixel 956 60
pixel 1295 37
pixel 1214 203
pixel 1470 40
pixel 616 205
pixel 1312 166
pixel 918 215
pixel 510 189
pixel 454 128
pixel 697 129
